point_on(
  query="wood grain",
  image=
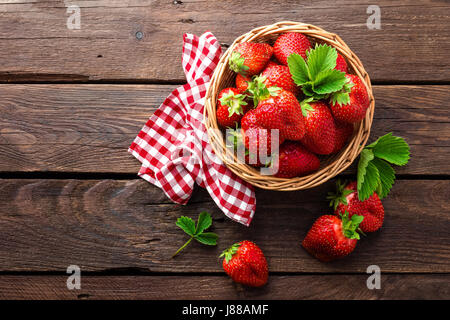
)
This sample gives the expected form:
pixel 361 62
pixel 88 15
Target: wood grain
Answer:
pixel 47 225
pixel 329 287
pixel 88 128
pixel 412 44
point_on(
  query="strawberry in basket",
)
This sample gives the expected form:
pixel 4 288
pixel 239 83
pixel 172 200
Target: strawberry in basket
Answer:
pixel 250 58
pixel 320 136
pixel 350 104
pixel 231 107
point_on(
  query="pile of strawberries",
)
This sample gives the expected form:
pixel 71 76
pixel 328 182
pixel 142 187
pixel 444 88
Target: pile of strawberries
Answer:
pixel 312 103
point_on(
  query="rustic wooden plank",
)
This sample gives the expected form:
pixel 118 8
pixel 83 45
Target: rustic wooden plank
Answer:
pixel 333 287
pixel 88 128
pixel 47 225
pixel 412 44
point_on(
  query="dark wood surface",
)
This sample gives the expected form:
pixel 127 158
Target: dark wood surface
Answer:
pixel 110 224
pixel 73 100
pixel 413 42
pixel 293 287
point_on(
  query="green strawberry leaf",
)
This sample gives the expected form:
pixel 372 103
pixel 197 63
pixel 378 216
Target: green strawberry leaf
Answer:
pixel 258 91
pixel 321 58
pixel 367 176
pixel 392 149
pixel 203 223
pixel 236 63
pixel 305 106
pixel 298 69
pixel 207 238
pixel 350 226
pixel 370 183
pixel 364 158
pixel 187 224
pixel 196 232
pixel 317 75
pixel 230 252
pixel 375 173
pixel 387 177
pixel 341 98
pixel 329 81
pixel 340 196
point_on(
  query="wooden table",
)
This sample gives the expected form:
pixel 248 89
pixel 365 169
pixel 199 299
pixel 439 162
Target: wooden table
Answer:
pixel 73 100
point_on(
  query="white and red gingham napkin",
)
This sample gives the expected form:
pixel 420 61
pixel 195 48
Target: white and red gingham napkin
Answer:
pixel 173 145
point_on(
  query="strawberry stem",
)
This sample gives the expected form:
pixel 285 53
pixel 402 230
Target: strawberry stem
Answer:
pixel 182 247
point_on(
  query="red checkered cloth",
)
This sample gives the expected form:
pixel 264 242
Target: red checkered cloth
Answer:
pixel 173 145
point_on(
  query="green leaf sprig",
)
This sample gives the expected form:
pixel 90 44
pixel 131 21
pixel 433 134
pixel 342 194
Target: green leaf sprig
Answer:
pixel 375 172
pixel 197 231
pixel 317 75
pixel 350 226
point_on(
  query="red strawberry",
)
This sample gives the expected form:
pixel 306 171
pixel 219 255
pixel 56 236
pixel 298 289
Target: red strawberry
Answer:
pixel 295 160
pixel 343 132
pixel 245 263
pixel 271 64
pixel 288 43
pixel 320 130
pixel 341 64
pixel 346 199
pixel 242 82
pixel 279 76
pixel 282 112
pixel 351 104
pixel 235 140
pixel 331 238
pixel 250 58
pixel 230 107
pixel 256 136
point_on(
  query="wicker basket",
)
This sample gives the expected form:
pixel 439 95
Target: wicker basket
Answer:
pixel 330 166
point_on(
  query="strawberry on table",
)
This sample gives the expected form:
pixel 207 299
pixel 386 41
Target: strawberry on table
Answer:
pixel 279 76
pixel 250 58
pixel 346 199
pixel 350 104
pixel 320 130
pixel 294 160
pixel 288 43
pixel 343 132
pixel 231 106
pixel 245 263
pixel 331 238
pixel 341 64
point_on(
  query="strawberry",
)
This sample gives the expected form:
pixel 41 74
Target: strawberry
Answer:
pixel 282 112
pixel 294 160
pixel 235 141
pixel 271 64
pixel 346 199
pixel 341 64
pixel 255 136
pixel 350 104
pixel 245 263
pixel 343 132
pixel 331 238
pixel 320 130
pixel 242 82
pixel 230 107
pixel 279 76
pixel 288 43
pixel 250 58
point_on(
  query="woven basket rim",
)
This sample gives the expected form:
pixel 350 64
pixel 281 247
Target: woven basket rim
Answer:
pixel 334 164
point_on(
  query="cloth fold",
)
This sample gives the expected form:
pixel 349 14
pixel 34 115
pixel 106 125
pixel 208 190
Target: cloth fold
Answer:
pixel 173 145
